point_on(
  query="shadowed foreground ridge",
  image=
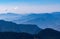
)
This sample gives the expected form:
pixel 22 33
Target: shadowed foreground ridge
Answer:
pixel 44 34
pixel 48 33
pixel 14 35
pixel 9 30
pixel 6 26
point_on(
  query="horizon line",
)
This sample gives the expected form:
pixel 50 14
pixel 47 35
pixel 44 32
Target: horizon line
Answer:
pixel 29 13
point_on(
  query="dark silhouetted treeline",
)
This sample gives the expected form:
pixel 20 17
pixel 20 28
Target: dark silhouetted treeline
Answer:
pixel 14 35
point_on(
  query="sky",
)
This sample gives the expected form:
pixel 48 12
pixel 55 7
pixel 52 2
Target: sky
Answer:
pixel 29 6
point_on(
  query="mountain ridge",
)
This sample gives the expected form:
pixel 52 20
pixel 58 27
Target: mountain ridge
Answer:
pixel 43 20
pixel 6 26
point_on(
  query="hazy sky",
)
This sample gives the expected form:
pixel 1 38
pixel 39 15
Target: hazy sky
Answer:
pixel 29 6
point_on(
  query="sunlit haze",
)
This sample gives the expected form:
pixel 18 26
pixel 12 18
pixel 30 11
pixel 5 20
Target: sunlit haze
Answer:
pixel 29 6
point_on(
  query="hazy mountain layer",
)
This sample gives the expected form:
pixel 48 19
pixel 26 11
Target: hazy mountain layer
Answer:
pixel 45 20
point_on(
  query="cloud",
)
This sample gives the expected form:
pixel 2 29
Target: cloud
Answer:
pixel 22 9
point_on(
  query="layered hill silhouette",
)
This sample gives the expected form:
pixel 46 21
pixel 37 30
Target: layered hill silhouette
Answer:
pixel 44 20
pixel 14 35
pixel 44 34
pixel 6 26
pixel 10 30
pixel 48 33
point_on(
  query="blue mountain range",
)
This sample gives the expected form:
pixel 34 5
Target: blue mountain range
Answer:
pixel 44 20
